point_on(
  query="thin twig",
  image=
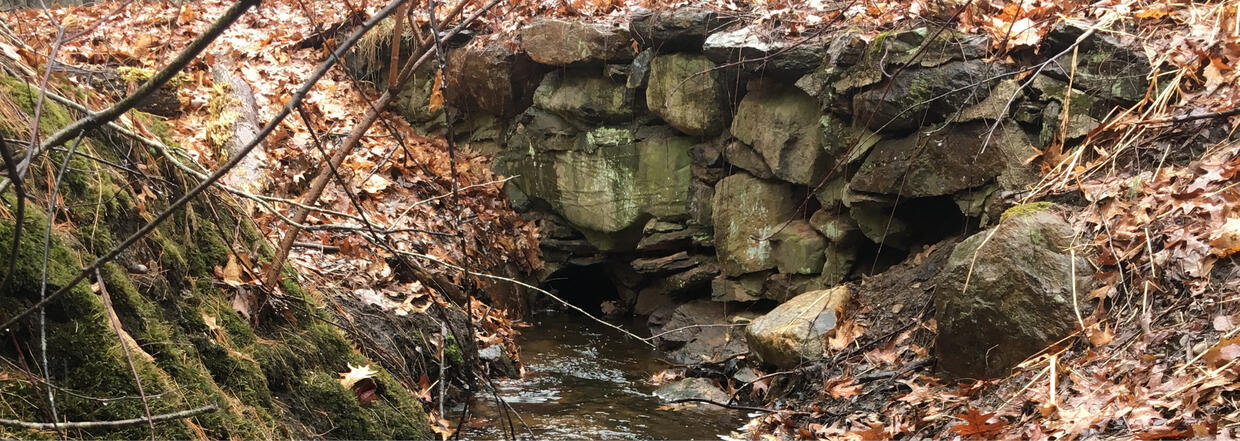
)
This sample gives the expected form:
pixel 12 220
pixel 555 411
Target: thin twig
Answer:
pixel 38 104
pixel 19 192
pixel 116 326
pixel 1191 117
pixel 47 245
pixel 115 423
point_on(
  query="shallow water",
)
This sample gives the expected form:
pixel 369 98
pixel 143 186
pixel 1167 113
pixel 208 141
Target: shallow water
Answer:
pixel 586 381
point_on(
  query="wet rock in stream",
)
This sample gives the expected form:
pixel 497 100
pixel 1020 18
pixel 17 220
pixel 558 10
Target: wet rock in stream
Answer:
pixel 692 388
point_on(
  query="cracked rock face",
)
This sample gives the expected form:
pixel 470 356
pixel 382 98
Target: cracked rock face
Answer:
pixel 686 91
pixel 746 211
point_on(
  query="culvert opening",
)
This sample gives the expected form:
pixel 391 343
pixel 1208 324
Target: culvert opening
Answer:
pixel 933 219
pixel 924 221
pixel 586 287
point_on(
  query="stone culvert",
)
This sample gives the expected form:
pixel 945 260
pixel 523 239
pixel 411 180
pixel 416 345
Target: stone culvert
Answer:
pixel 689 156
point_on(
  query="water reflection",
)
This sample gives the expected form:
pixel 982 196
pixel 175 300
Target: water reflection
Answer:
pixel 586 381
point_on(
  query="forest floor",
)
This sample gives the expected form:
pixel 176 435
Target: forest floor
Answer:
pixel 1157 360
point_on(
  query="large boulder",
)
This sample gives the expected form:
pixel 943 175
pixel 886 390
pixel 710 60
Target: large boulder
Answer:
pixel 793 332
pixel 686 91
pixel 875 217
pixel 925 95
pixel 606 180
pixel 585 96
pixel 666 264
pixel 784 125
pixel 747 211
pixel 846 48
pixel 780 286
pixel 538 130
pixel 843 236
pixel 656 241
pixel 673 30
pixel 965 156
pixel 701 211
pixel 489 79
pixel 694 279
pixel 1006 294
pixel 564 42
pixel 798 249
pixel 1084 114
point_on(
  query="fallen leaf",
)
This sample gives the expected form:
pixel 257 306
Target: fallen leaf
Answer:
pixel 356 374
pixel 435 101
pixel 424 388
pixel 439 425
pixel 230 273
pixel 1153 13
pixel 1226 240
pixel 1100 334
pixel 760 387
pixel 213 326
pixel 376 184
pixel 976 424
pixel 1165 432
pixel 1223 323
pixel 1223 352
pixel 843 388
pixel 876 431
pixel 845 333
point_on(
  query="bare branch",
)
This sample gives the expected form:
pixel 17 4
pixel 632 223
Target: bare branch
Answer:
pixel 115 423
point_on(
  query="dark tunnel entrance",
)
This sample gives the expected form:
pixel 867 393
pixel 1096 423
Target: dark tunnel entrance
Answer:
pixel 586 287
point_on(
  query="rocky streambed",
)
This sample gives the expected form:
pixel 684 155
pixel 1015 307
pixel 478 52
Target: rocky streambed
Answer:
pixel 584 380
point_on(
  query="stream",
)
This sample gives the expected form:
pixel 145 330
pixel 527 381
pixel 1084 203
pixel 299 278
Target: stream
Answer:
pixel 587 381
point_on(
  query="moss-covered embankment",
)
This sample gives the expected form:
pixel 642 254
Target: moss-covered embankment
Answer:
pixel 275 379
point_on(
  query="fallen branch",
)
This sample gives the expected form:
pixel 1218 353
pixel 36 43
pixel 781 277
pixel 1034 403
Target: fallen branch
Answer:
pixel 120 336
pixel 734 406
pixel 19 193
pixel 325 249
pixel 1191 117
pixel 115 423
